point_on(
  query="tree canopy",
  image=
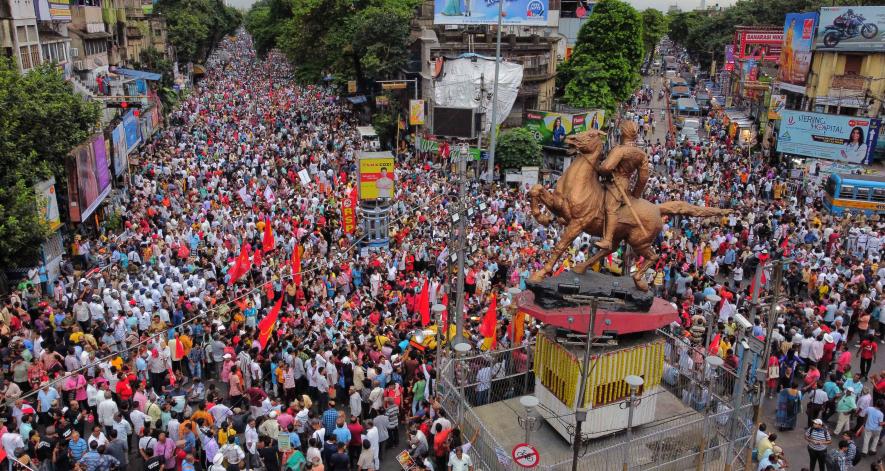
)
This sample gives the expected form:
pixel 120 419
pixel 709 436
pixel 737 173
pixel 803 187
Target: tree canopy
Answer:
pixel 517 148
pixel 654 27
pixel 365 41
pixel 41 120
pixel 196 26
pixel 604 67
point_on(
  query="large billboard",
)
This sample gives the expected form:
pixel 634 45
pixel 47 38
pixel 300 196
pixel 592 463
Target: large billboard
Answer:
pixel 729 57
pixel 485 12
pixel 795 58
pixel 89 179
pixel 47 203
pixel 851 29
pixel 550 128
pixel 376 175
pixel 758 44
pixel 826 136
pixel 121 154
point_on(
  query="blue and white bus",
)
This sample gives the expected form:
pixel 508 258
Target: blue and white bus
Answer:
pixel 855 193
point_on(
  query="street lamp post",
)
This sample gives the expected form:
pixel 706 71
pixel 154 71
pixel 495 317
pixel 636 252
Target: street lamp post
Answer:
pixel 461 351
pixel 635 382
pixel 494 122
pixel 529 422
pixel 713 362
pixel 441 332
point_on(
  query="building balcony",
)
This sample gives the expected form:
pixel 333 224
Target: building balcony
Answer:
pixel 849 82
pixel 135 13
pixel 133 32
pixel 89 19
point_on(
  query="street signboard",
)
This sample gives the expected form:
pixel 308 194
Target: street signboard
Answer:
pixel 756 345
pixel 526 455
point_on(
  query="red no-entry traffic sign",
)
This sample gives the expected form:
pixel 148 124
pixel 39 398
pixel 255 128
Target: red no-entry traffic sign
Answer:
pixel 526 455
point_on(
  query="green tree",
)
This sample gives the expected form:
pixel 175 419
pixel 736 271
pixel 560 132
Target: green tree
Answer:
pixel 517 148
pixel 41 120
pixel 196 26
pixel 366 41
pixel 654 27
pixel 265 21
pixel 604 67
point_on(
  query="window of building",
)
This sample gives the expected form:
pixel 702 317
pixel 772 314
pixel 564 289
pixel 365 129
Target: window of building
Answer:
pixel 25 56
pixel 46 55
pixel 32 34
pixel 853 64
pixel 22 34
pixel 35 54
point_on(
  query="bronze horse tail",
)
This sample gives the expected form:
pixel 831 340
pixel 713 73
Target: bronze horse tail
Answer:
pixel 681 208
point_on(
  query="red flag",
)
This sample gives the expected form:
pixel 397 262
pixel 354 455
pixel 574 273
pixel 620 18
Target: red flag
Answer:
pixel 424 303
pixel 267 324
pixel 713 348
pixel 242 265
pixel 267 242
pixel 257 258
pixel 296 265
pixel 268 290
pixel 490 320
pixel 179 349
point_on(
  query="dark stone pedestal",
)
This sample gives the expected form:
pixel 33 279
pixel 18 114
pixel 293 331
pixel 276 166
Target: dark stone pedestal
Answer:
pixel 620 291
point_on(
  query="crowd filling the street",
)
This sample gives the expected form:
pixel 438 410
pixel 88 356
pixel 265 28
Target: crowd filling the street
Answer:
pixel 231 323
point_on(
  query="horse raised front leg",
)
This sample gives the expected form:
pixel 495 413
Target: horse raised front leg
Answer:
pixel 568 235
pixel 552 200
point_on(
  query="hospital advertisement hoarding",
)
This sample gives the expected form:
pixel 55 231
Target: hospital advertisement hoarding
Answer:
pixel 825 136
pixel 485 12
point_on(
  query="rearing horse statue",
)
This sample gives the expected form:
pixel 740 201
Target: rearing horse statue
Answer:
pixel 577 203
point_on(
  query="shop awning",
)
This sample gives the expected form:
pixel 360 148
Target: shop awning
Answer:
pixel 138 74
pixel 357 100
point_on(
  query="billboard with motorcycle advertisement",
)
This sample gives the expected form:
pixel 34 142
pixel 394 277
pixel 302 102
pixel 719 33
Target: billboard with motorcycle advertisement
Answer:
pixel 796 52
pixel 851 29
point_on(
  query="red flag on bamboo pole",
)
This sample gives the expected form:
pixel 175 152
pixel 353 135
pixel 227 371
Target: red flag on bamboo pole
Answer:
pixel 267 242
pixel 241 266
pixel 268 323
pixel 424 303
pixel 296 265
pixel 488 328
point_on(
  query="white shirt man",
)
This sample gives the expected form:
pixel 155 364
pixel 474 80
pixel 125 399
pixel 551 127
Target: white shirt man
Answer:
pixel 374 443
pixel 106 410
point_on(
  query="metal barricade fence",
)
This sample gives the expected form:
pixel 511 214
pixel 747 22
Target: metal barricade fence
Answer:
pixel 457 388
pixel 696 439
pixel 687 443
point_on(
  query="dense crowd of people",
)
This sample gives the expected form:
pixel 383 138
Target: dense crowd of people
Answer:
pixel 153 350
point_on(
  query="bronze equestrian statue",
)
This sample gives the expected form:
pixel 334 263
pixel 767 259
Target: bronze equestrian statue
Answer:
pixel 613 210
